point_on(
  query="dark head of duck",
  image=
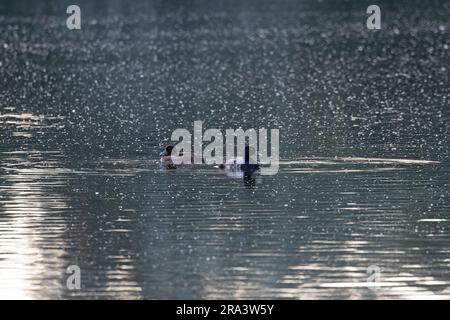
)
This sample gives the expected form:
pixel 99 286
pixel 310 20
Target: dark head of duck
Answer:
pixel 250 164
pixel 167 152
pixel 166 159
pixel 249 167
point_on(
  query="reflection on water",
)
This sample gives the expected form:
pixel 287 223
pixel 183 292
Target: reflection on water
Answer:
pixel 364 171
pixel 138 232
pixel 32 228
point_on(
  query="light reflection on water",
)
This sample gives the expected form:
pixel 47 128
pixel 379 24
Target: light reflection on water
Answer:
pixel 32 232
pixel 139 232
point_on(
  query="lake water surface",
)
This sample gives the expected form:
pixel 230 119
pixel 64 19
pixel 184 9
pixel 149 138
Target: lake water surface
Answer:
pixel 364 141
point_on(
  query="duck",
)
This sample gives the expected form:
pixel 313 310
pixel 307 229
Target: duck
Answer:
pixel 241 165
pixel 166 157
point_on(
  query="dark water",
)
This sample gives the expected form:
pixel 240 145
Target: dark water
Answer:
pixel 364 143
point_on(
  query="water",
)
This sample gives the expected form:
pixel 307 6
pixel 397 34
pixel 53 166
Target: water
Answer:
pixel 364 138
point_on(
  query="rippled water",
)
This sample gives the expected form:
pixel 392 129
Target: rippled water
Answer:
pixel 364 171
